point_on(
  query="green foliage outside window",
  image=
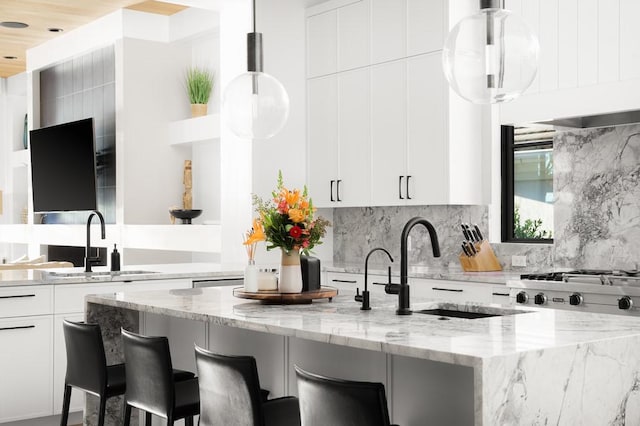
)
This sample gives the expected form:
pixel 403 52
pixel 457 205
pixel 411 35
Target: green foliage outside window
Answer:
pixel 530 229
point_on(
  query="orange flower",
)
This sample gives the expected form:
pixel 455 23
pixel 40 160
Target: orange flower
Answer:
pixel 304 204
pixel 256 234
pixel 296 215
pixel 292 197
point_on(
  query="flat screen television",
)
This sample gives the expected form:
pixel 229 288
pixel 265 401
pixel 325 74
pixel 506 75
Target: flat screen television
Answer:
pixel 63 167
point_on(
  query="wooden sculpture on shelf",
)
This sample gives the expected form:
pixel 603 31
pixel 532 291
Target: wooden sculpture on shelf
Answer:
pixel 187 198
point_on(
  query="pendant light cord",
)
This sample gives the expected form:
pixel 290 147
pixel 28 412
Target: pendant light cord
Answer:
pixel 254 16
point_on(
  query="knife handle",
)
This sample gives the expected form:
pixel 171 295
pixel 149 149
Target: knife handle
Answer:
pixel 465 250
pixel 475 226
pixel 464 232
pixel 400 187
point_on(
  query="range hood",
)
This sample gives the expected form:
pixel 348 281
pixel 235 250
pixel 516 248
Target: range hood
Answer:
pixel 599 120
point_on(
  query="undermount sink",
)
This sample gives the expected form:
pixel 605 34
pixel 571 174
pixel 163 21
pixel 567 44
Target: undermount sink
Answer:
pixel 450 310
pixel 101 274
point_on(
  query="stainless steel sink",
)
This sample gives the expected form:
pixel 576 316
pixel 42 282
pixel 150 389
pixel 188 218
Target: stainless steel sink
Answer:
pixel 96 275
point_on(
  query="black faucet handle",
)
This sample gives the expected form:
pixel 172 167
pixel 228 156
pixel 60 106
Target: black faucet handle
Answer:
pixel 392 288
pixel 358 296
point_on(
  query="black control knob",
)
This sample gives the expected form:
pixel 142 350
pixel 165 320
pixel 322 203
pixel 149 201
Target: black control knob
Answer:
pixel 625 303
pixel 522 297
pixel 576 299
pixel 540 299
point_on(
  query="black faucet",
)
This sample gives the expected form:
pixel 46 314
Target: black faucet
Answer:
pixel 364 297
pixel 88 260
pixel 403 288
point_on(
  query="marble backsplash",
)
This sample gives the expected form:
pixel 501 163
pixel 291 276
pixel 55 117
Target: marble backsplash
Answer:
pixel 357 230
pixel 597 197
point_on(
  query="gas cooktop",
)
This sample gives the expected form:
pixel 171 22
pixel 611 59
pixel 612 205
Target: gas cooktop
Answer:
pixel 565 275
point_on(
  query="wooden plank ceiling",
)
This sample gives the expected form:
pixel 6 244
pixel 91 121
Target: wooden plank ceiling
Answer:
pixel 41 15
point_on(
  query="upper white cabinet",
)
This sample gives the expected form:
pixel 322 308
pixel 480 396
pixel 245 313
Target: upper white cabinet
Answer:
pixel 388 30
pixel 353 36
pixel 386 129
pixel 322 39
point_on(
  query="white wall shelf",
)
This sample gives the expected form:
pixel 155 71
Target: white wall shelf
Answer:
pixel 197 238
pixel 196 129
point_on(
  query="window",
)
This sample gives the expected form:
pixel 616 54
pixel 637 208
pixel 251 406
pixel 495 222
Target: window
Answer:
pixel 527 184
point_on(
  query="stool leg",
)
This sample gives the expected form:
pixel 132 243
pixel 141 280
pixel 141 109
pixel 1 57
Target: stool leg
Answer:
pixel 102 409
pixel 147 418
pixel 126 416
pixel 65 405
pixel 188 421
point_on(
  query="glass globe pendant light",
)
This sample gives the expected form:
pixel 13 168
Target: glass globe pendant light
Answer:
pixel 256 105
pixel 490 57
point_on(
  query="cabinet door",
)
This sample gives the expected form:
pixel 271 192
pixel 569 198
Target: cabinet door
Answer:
pixel 25 367
pixel 388 133
pixel 354 185
pixel 388 30
pixel 322 128
pixel 427 152
pixel 425 26
pixel 322 44
pixel 60 366
pixel 353 36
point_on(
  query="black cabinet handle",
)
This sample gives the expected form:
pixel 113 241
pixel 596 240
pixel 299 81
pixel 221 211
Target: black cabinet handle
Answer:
pixel 17 296
pixel 400 187
pixel 500 294
pixel 344 281
pixel 408 196
pixel 20 327
pixel 338 190
pixel 332 190
pixel 454 290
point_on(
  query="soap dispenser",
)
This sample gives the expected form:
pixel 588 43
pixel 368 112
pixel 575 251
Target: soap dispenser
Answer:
pixel 115 259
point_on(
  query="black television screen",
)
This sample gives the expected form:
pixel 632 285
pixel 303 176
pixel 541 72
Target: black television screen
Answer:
pixel 63 167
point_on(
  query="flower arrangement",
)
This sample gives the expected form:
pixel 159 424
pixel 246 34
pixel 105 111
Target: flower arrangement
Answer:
pixel 287 221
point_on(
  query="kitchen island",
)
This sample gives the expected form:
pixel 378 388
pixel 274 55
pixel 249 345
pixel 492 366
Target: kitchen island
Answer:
pixel 519 367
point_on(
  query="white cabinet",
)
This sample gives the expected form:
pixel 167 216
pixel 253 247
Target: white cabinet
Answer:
pixel 423 143
pixel 353 36
pixel 388 30
pixel 388 132
pixel 322 40
pixel 338 125
pixel 25 367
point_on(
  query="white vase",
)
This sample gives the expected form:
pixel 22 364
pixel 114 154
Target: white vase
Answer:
pixel 290 280
pixel 251 277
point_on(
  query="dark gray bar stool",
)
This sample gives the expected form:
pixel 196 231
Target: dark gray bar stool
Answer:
pixel 230 394
pixel 337 402
pixel 151 385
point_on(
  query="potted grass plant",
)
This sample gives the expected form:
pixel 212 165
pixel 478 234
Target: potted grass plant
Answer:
pixel 199 87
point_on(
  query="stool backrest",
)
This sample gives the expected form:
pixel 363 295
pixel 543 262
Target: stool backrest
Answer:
pixel 86 361
pixel 149 373
pixel 229 390
pixel 336 402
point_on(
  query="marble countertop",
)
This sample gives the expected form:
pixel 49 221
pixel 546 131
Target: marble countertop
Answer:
pixel 468 342
pixel 196 271
pixel 496 277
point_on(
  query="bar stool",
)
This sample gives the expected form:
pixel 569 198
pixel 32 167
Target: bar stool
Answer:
pixel 151 385
pixel 87 368
pixel 230 394
pixel 337 402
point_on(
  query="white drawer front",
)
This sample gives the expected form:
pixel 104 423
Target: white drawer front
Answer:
pixel 25 300
pixel 69 298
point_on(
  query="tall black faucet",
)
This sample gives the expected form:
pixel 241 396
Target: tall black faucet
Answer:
pixel 403 288
pixel 364 297
pixel 88 260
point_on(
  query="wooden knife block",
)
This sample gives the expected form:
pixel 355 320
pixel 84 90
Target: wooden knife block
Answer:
pixel 483 261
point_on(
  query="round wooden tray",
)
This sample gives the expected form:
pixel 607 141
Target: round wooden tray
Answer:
pixel 274 298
